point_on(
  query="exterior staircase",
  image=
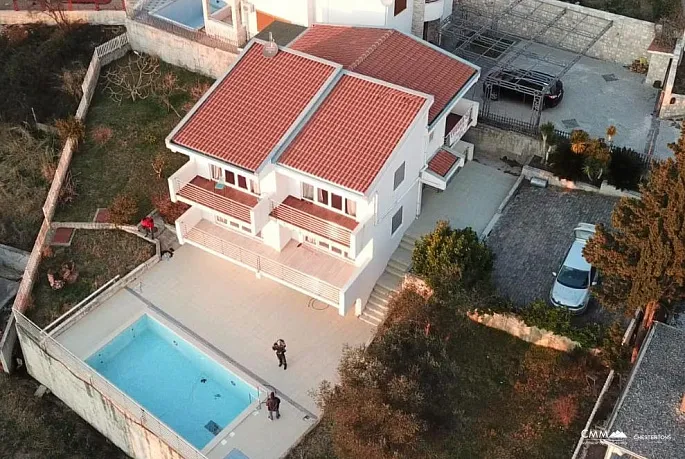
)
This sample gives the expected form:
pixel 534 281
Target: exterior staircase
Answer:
pixel 377 306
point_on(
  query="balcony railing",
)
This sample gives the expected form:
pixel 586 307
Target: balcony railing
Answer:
pixel 312 223
pixel 261 264
pixel 215 200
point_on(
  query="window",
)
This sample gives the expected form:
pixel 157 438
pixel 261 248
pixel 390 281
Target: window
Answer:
pixel 396 221
pixel 242 182
pixel 351 207
pixel 308 191
pixel 221 220
pixel 215 171
pixel 336 201
pixel 322 196
pixel 399 176
pixel 400 5
pixel 230 177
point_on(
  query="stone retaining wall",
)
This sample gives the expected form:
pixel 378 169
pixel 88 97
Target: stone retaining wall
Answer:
pixel 516 327
pixel 626 40
pixel 606 189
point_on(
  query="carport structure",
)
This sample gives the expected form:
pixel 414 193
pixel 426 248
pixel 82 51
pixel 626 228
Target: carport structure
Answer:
pixel 501 42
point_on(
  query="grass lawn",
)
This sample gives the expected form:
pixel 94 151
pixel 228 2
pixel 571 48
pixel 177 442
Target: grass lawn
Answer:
pixel 98 256
pixel 35 62
pixel 38 428
pixel 122 139
pixel 514 400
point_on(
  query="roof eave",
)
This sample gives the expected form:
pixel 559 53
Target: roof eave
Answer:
pixel 457 97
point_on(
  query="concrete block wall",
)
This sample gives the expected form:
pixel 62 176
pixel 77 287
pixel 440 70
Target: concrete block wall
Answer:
pixel 179 51
pixel 627 39
pixel 417 17
pixel 503 143
pixel 658 65
pixel 673 104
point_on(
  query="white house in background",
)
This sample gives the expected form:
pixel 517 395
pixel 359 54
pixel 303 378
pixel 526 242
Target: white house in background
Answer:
pixel 238 19
pixel 307 162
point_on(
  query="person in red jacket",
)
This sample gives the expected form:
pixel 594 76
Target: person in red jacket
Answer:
pixel 148 225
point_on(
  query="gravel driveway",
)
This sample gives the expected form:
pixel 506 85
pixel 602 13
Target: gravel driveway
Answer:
pixel 533 235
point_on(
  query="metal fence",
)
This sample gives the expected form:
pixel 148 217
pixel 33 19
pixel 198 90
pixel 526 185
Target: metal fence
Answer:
pixel 128 408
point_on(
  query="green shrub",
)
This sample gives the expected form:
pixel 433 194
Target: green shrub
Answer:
pixel 565 163
pixel 558 320
pixel 450 256
pixel 625 169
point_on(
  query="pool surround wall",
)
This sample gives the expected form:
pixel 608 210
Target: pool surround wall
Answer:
pixel 122 428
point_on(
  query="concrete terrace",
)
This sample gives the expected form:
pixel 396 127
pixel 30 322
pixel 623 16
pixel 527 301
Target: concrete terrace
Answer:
pixel 234 317
pixel 470 200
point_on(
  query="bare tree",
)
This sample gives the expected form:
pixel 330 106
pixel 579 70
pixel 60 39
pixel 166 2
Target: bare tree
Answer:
pixel 134 80
pixel 55 9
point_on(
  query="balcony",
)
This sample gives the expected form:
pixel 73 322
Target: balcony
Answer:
pixel 218 197
pixel 187 186
pixel 458 122
pixel 297 266
pixel 315 219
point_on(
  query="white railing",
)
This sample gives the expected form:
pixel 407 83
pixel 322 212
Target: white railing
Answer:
pixel 182 176
pixel 277 271
pixel 125 404
pixel 317 225
pixel 361 236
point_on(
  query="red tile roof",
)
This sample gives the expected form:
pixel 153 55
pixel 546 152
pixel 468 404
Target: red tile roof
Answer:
pixel 391 56
pixel 442 162
pixel 246 115
pixel 353 132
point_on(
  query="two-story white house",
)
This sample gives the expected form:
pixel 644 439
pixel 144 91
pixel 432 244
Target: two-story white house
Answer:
pixel 307 162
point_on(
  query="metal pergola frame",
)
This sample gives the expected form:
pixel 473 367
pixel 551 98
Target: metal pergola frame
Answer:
pixel 491 40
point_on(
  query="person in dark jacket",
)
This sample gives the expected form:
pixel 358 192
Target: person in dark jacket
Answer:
pixel 279 347
pixel 273 404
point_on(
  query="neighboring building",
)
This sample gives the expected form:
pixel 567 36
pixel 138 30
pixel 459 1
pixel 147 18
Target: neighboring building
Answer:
pixel 649 418
pixel 307 165
pixel 419 17
pixel 236 21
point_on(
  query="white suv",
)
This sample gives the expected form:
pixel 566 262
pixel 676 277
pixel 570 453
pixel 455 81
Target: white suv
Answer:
pixel 571 288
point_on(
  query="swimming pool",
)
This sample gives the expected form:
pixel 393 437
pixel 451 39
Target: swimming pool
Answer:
pixel 173 380
pixel 187 13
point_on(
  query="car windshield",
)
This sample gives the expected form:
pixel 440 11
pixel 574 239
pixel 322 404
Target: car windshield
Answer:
pixel 573 278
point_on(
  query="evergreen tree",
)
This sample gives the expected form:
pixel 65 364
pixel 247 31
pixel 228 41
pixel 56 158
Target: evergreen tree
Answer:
pixel 642 259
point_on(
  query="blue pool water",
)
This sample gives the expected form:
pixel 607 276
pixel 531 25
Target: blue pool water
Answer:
pixel 188 13
pixel 173 380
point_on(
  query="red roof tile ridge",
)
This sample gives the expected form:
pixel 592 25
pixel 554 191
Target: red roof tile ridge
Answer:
pixel 371 49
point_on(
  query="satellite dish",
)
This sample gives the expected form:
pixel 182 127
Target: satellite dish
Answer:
pixel 271 48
